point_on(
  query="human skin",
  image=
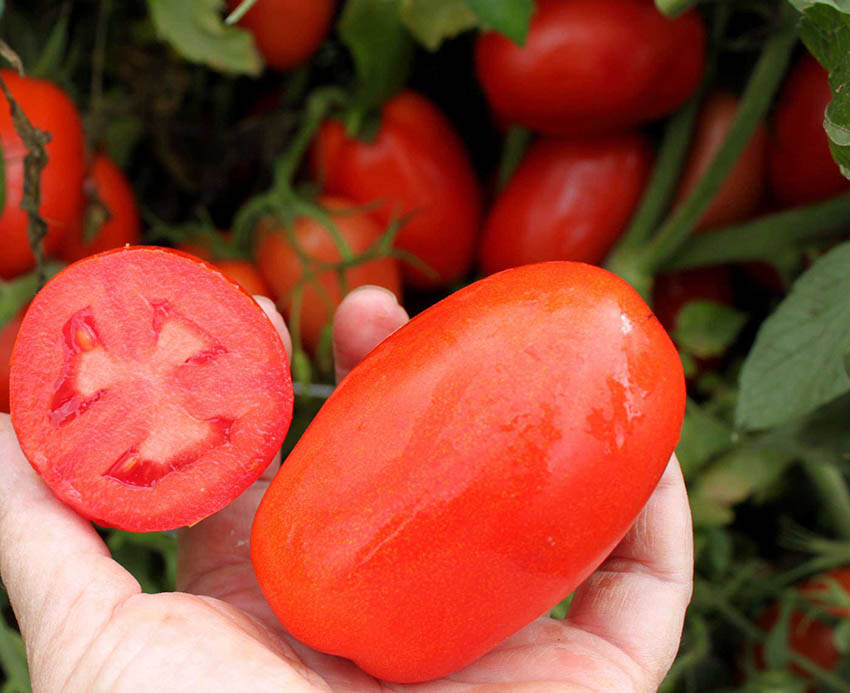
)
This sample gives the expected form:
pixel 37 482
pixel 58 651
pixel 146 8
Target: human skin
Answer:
pixel 89 628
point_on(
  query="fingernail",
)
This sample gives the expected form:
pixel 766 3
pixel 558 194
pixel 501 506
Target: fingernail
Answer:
pixel 375 287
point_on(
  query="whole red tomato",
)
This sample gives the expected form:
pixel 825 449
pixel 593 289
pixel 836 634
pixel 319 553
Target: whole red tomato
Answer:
pixel 8 333
pixel 283 268
pixel 741 193
pixel 800 166
pixel 416 166
pixel 287 32
pixel 112 189
pixel 567 200
pixel 62 200
pixel 592 65
pixel 808 635
pixel 471 471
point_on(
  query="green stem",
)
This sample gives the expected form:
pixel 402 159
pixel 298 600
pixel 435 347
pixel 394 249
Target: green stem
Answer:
pixel 755 101
pixel 673 7
pixel 833 493
pixel 239 12
pixel 759 239
pixel 98 64
pixel 514 148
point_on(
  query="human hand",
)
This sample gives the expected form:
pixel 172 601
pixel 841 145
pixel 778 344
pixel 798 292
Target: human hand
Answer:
pixel 88 627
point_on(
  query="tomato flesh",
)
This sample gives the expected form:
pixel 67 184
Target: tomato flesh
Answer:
pixel 147 389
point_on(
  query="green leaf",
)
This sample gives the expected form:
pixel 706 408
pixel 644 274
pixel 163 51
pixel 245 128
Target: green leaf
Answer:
pixel 825 29
pixel 511 18
pixel 433 21
pixel 53 54
pixel 194 28
pixel 703 438
pixel 674 7
pixel 381 47
pixel 840 5
pixel 706 329
pixel 797 361
pixel 841 637
pixel 17 292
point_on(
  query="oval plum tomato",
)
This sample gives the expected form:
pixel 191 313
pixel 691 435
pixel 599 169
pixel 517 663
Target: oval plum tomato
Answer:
pixel 287 32
pixel 62 200
pixel 567 200
pixel 8 333
pixel 283 269
pixel 672 291
pixel 111 188
pixel 809 635
pixel 741 194
pixel 147 389
pixel 471 471
pixel 417 166
pixel 800 166
pixel 246 275
pixel 592 66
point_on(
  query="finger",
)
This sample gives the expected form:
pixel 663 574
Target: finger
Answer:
pixel 365 318
pixel 276 318
pixel 55 567
pixel 212 556
pixel 638 597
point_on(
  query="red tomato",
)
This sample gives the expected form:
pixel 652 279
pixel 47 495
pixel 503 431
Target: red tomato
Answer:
pixel 800 165
pixel 282 268
pixel 809 636
pixel 287 32
pixel 62 200
pixel 592 66
pixel 113 190
pixel 672 291
pixel 416 165
pixel 741 194
pixel 8 333
pixel 475 467
pixel 147 389
pixel 568 200
pixel 246 275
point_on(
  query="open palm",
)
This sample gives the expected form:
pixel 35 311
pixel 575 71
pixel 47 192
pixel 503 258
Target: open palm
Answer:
pixel 89 628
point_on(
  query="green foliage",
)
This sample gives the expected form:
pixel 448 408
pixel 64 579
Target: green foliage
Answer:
pixel 797 361
pixel 381 47
pixel 704 436
pixel 674 7
pixel 825 29
pixel 706 328
pixel 509 17
pixel 434 21
pixel 195 29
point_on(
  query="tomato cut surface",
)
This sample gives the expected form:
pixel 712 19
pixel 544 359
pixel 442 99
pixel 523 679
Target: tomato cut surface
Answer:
pixel 147 389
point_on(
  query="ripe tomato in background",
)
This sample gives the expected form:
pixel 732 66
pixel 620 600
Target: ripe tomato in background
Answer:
pixel 672 291
pixel 808 635
pixel 800 166
pixel 8 333
pixel 282 268
pixel 62 200
pixel 567 200
pixel 122 226
pixel 471 471
pixel 741 194
pixel 246 275
pixel 287 32
pixel 416 165
pixel 592 65
pixel 147 390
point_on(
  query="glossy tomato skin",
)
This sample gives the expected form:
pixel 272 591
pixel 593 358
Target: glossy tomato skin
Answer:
pixel 592 66
pixel 282 268
pixel 111 187
pixel 471 471
pixel 287 32
pixel 8 333
pixel 741 194
pixel 808 636
pixel 801 168
pixel 569 199
pixel 62 199
pixel 147 389
pixel 416 165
